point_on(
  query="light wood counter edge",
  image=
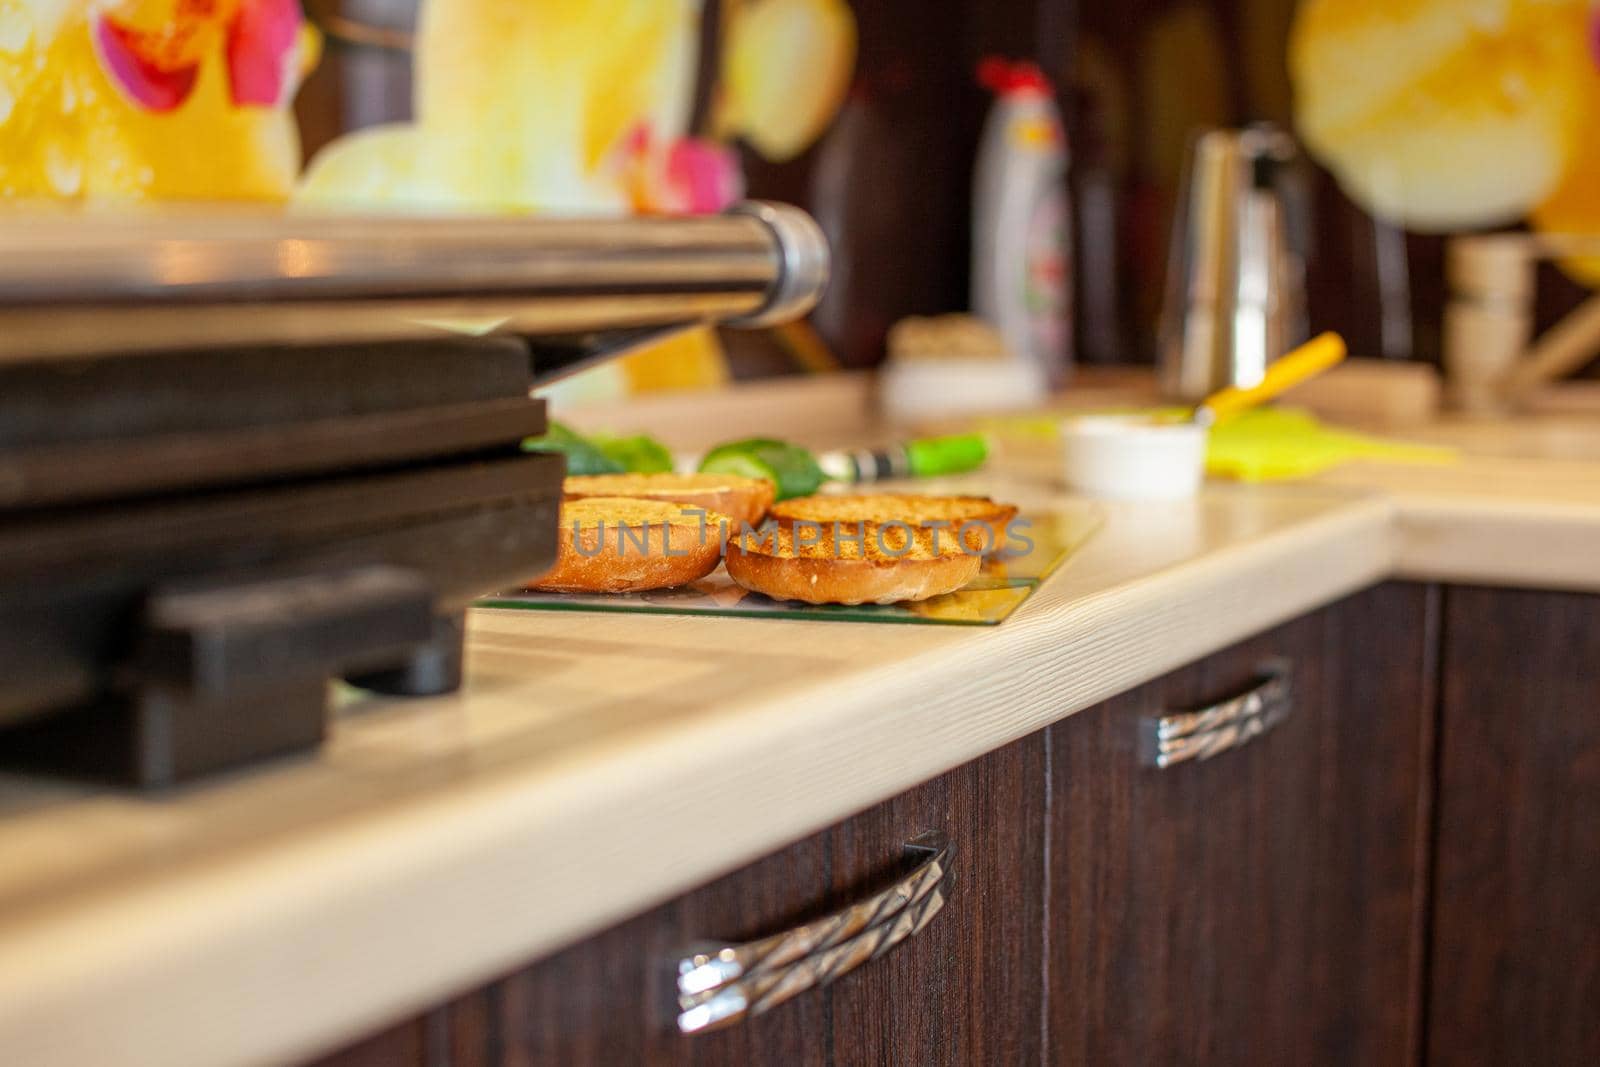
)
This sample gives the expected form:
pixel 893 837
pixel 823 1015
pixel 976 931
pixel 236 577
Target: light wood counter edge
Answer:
pixel 1473 543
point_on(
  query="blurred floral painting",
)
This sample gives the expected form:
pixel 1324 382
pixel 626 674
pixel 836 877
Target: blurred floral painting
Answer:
pixel 519 105
pixel 134 99
pixel 1444 115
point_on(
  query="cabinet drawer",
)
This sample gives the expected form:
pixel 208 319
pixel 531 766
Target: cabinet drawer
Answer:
pixel 1258 901
pixel 964 988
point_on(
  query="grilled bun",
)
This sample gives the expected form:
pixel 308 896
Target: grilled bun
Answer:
pixel 740 498
pixel 886 565
pixel 626 545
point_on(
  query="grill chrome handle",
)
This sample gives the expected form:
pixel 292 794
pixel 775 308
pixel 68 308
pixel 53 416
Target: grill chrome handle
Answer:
pixel 720 985
pixel 74 285
pixel 1198 735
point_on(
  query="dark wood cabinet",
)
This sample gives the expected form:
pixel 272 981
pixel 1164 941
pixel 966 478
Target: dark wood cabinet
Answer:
pixel 1516 932
pixel 1261 905
pixel 1403 869
pixel 962 990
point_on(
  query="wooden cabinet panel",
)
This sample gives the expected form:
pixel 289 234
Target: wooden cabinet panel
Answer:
pixel 1261 906
pixel 963 990
pixel 1515 975
pixel 607 1000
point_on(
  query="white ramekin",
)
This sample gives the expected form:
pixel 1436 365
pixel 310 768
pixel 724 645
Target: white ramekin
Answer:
pixel 1132 457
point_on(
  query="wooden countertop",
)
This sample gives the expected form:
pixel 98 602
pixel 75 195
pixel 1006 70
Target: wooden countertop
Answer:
pixel 595 765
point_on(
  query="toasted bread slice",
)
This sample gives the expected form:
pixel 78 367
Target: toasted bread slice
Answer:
pixel 826 565
pixel 625 545
pixel 742 499
pixel 982 522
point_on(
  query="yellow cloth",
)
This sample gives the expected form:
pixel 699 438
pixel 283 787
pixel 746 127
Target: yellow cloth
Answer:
pixel 1270 444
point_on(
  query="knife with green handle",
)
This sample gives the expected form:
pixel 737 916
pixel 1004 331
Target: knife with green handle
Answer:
pixel 928 457
pixel 797 472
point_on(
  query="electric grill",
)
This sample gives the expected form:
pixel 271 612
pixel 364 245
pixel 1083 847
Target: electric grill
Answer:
pixel 244 455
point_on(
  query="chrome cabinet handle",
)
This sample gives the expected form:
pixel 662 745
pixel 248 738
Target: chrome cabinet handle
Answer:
pixel 1205 732
pixel 719 985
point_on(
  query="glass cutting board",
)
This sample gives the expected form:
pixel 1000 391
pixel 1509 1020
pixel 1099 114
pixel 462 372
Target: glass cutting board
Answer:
pixel 1000 588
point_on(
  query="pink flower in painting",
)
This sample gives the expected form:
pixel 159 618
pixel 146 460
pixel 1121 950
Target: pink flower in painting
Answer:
pixel 702 176
pixel 261 50
pixel 685 176
pixel 157 66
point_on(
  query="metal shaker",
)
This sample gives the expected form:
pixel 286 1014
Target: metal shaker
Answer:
pixel 1235 297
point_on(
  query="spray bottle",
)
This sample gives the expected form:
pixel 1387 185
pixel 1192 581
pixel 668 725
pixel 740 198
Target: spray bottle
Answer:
pixel 1021 239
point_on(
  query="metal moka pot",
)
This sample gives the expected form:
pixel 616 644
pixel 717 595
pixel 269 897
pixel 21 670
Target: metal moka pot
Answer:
pixel 1235 296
